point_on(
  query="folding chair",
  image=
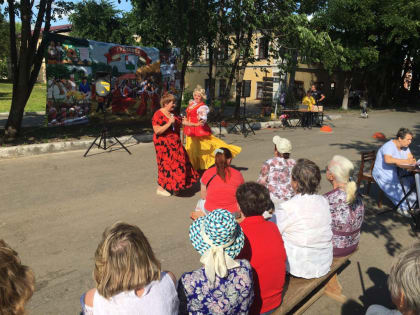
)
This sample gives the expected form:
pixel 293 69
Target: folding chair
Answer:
pixel 368 157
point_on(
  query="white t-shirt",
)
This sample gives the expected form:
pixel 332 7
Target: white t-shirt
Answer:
pixel 159 298
pixel 305 225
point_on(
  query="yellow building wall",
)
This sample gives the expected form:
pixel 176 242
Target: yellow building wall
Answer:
pixel 197 73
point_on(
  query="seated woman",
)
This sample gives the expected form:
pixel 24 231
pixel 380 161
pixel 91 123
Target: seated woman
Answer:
pixel 128 276
pixel 346 206
pixel 218 186
pixel 224 285
pixel 390 156
pixel 263 247
pixel 16 282
pixel 276 173
pixel 305 224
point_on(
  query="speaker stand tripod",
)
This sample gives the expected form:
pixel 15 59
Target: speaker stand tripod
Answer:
pixel 244 122
pixel 102 139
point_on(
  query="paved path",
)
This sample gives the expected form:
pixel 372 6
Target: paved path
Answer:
pixel 54 208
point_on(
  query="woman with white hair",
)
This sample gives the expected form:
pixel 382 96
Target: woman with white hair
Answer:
pixel 201 143
pixel 346 206
pixel 403 284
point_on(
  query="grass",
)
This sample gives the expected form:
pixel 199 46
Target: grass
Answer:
pixel 36 101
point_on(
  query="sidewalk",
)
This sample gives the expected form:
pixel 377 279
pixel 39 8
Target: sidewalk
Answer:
pixel 38 119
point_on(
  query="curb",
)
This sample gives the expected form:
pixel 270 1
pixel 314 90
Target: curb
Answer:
pixel 53 147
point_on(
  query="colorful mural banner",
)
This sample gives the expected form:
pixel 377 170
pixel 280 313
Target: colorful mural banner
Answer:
pixel 137 78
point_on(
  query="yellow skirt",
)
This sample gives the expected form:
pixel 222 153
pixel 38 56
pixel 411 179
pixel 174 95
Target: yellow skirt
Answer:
pixel 201 150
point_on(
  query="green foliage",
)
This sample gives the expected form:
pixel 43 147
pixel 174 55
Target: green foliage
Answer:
pixel 100 21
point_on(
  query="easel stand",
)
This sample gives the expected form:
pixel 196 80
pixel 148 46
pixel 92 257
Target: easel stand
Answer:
pixel 102 139
pixel 244 122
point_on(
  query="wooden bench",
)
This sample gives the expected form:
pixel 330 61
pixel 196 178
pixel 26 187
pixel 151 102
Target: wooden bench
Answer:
pixel 301 293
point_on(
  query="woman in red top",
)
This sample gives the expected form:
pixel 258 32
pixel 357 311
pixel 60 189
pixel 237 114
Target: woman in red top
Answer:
pixel 175 171
pixel 200 143
pixel 218 186
pixel 264 248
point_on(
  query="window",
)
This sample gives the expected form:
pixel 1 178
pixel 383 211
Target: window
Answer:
pixel 222 87
pixel 223 53
pixel 260 90
pixel 332 87
pixel 207 86
pixel 246 88
pixel 206 54
pixel 263 48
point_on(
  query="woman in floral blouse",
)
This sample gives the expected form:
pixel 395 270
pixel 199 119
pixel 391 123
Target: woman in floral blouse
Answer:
pixel 346 206
pixel 224 285
pixel 276 172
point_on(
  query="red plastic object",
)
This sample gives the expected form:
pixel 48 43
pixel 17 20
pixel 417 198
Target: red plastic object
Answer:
pixel 326 129
pixel 378 135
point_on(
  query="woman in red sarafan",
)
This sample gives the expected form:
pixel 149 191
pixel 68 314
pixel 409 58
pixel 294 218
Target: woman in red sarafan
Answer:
pixel 175 171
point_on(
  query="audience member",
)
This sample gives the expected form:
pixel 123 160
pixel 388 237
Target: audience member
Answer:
pixel 128 276
pixel 305 224
pixel 346 206
pixel 224 285
pixel 403 284
pixel 276 172
pixel 263 248
pixel 16 282
pixel 218 186
pixel 390 156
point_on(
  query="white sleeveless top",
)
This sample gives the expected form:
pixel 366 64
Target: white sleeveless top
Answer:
pixel 159 298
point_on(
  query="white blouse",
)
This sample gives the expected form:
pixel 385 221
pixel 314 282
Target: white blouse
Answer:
pixel 305 225
pixel 159 297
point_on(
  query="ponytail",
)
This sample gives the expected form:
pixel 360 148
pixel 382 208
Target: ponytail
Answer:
pixel 351 189
pixel 342 169
pixel 221 158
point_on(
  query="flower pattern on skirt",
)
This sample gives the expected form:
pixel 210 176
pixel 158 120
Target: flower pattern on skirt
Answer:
pixel 175 171
pixel 231 295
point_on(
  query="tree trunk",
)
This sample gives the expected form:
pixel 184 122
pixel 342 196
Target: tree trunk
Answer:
pixel 291 99
pixel 233 69
pixel 347 86
pixel 211 71
pixel 185 58
pixel 26 65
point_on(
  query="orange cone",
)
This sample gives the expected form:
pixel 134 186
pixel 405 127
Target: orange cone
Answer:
pixel 378 135
pixel 326 129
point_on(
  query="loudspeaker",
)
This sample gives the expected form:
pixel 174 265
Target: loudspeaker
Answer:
pixel 246 88
pixel 102 83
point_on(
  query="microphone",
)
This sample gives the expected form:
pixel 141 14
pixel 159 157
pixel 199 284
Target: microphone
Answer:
pixel 173 127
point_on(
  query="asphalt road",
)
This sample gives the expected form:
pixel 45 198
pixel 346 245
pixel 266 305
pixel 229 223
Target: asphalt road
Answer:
pixel 54 208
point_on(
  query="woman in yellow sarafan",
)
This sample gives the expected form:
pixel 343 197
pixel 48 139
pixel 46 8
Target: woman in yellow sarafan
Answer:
pixel 200 143
pixel 308 100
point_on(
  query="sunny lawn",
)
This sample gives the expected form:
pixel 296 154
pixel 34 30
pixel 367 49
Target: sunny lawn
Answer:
pixel 36 102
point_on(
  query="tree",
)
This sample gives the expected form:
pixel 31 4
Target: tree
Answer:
pixel 350 24
pixel 26 55
pixel 171 23
pixel 100 21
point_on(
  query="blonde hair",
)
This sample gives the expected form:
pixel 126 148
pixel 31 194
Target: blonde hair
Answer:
pixel 124 260
pixel 16 282
pixel 201 91
pixel 167 98
pixel 342 169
